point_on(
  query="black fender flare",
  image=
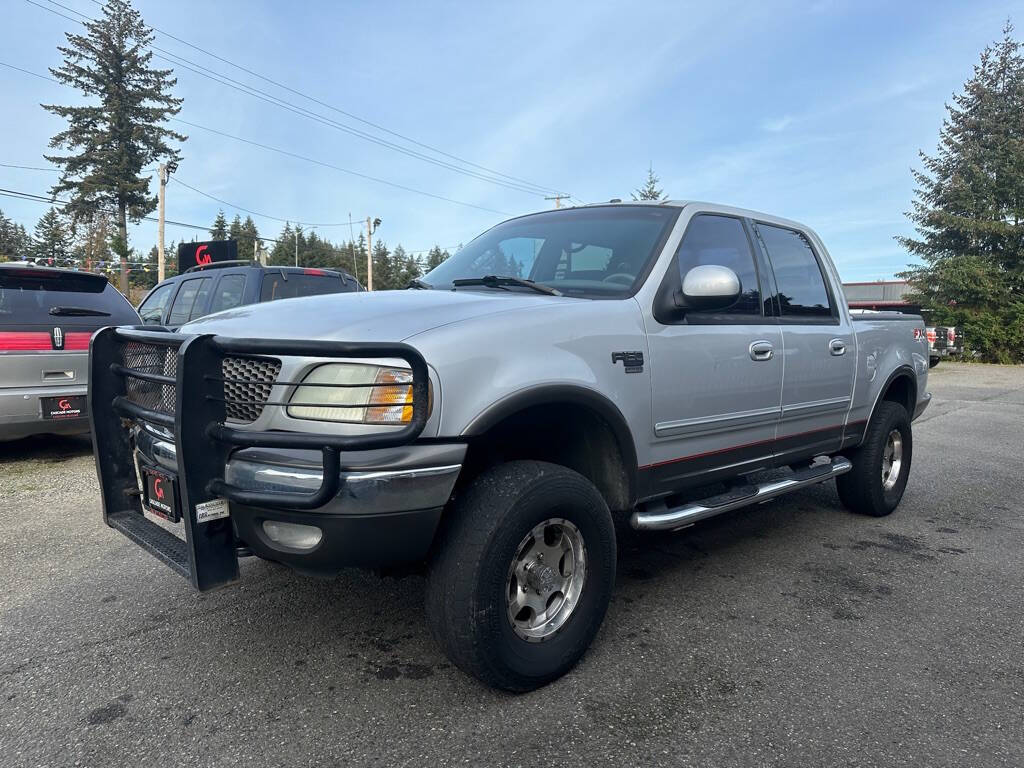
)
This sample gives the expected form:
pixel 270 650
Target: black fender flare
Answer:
pixel 547 394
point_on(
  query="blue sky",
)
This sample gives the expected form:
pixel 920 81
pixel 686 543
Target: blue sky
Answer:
pixel 811 110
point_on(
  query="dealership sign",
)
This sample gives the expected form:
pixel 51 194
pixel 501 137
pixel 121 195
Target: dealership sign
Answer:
pixel 197 254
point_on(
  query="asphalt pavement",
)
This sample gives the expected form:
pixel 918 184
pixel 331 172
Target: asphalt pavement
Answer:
pixel 789 634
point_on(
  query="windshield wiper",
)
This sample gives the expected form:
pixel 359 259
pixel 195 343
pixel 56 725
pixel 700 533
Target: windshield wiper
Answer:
pixel 84 311
pixel 499 281
pixel 419 284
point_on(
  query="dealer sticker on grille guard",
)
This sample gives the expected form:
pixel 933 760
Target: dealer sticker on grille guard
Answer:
pixel 211 510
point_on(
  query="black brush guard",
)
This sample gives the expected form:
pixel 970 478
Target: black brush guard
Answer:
pixel 204 442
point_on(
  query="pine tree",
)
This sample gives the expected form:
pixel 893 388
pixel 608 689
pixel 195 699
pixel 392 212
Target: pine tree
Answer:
pixel 112 141
pixel 436 257
pixel 93 239
pixel 247 236
pixel 968 210
pixel 219 230
pixel 650 190
pixel 15 242
pixel 51 244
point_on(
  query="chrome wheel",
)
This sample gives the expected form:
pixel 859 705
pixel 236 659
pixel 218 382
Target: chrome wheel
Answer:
pixel 545 579
pixel 892 459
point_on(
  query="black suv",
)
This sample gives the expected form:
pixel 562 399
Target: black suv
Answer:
pixel 209 288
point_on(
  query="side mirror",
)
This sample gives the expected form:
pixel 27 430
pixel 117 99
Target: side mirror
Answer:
pixel 709 287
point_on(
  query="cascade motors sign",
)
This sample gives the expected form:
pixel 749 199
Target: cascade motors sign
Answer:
pixel 197 254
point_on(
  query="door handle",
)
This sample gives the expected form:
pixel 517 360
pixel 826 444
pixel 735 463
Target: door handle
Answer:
pixel 761 350
pixel 837 347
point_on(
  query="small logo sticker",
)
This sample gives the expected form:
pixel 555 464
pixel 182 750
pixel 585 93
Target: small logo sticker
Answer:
pixel 211 510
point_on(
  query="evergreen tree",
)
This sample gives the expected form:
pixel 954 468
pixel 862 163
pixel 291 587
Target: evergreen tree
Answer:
pixel 650 190
pixel 15 242
pixel 968 210
pixel 219 230
pixel 112 141
pixel 52 246
pixel 247 236
pixel 93 240
pixel 436 257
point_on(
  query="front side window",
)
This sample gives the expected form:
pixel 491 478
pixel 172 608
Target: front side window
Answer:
pixel 802 291
pixel 722 241
pixel 152 309
pixel 599 252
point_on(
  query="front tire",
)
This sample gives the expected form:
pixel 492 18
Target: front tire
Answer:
pixel 881 466
pixel 522 573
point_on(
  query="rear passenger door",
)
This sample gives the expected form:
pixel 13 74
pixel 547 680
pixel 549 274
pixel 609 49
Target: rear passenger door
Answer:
pixel 819 351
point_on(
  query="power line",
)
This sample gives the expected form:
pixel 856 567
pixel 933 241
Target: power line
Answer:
pixel 222 79
pixel 269 148
pixel 314 161
pixel 179 61
pixel 340 111
pixel 254 213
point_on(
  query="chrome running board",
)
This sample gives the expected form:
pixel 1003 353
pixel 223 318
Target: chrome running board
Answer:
pixel 657 516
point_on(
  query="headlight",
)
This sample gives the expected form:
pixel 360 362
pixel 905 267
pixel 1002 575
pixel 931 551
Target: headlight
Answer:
pixel 354 392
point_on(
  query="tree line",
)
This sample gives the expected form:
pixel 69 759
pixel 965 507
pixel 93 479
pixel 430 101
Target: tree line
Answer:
pixel 57 241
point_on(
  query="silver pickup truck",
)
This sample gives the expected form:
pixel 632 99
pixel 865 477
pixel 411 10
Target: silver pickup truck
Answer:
pixel 649 365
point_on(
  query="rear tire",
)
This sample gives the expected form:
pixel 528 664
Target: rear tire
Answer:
pixel 500 613
pixel 881 465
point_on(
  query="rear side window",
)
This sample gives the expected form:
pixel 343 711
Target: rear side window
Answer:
pixel 184 302
pixel 802 291
pixel 229 293
pixel 67 299
pixel 722 241
pixel 276 287
pixel 152 309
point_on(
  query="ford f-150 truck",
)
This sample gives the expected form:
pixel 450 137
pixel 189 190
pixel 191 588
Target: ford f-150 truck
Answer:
pixel 566 371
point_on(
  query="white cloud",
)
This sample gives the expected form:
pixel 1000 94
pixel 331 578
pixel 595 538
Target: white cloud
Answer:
pixel 777 124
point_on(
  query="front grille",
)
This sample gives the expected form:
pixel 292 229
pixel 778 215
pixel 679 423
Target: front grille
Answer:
pixel 247 385
pixel 150 358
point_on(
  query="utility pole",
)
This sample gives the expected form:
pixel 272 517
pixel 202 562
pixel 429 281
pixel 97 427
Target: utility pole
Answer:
pixel 371 227
pixel 296 245
pixel 160 226
pixel 558 199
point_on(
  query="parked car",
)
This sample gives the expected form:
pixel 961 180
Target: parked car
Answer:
pixel 942 342
pixel 649 362
pixel 209 288
pixel 46 319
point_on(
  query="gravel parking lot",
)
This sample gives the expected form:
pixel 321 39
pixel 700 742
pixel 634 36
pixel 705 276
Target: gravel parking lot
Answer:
pixel 789 634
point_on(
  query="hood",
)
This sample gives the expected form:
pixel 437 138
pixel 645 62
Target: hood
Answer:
pixel 365 316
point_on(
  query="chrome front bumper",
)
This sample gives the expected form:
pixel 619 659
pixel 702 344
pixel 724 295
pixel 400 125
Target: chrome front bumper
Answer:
pixel 375 482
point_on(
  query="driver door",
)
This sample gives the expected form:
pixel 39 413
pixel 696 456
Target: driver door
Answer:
pixel 716 376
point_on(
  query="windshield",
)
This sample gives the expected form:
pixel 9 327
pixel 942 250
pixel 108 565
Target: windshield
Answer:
pixel 593 253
